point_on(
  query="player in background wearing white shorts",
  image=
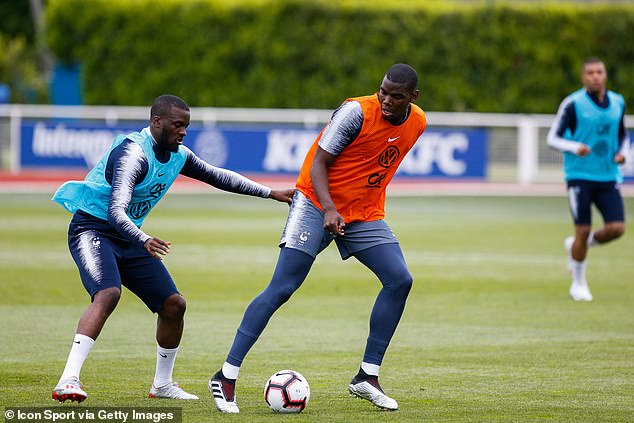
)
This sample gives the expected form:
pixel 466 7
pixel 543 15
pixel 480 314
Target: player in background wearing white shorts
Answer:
pixel 590 130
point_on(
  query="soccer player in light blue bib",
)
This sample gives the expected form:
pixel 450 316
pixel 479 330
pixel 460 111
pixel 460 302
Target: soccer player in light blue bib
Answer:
pixel 590 131
pixel 110 249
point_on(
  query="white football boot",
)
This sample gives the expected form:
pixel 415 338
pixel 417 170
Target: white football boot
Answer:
pixel 172 391
pixel 369 389
pixel 579 291
pixel 223 393
pixel 69 389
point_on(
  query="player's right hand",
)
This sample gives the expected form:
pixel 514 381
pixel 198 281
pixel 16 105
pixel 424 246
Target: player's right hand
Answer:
pixel 157 247
pixel 333 222
pixel 583 150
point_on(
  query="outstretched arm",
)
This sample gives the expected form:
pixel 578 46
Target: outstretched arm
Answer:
pixel 230 181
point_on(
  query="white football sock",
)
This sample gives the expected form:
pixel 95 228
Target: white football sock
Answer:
pixel 370 369
pixel 230 371
pixel 165 358
pixel 578 271
pixel 78 353
pixel 591 242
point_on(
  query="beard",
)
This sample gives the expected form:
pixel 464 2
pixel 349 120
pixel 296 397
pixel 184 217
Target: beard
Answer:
pixel 163 142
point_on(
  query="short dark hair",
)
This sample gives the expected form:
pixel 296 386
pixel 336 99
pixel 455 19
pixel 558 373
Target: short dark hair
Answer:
pixel 590 61
pixel 402 73
pixel 163 104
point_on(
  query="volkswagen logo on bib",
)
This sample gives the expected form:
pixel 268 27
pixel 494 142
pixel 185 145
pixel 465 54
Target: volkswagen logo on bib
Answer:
pixel 140 209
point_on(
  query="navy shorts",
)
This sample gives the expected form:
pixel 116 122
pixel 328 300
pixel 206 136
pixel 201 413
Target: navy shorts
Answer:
pixel 305 231
pixel 605 195
pixel 105 262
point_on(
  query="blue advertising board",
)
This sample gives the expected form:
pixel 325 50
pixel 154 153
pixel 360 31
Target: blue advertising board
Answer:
pixel 449 153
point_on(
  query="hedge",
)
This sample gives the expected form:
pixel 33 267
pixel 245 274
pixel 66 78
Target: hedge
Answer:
pixel 313 54
pixel 19 70
pixel 16 20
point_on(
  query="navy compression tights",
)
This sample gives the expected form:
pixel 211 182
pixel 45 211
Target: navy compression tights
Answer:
pixel 385 260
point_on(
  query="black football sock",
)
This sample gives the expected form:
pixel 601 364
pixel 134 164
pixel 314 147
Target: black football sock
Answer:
pixel 226 379
pixel 364 376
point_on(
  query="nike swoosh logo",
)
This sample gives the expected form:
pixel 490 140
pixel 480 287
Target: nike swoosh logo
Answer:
pixel 77 342
pixel 163 355
pixel 392 139
pixel 161 174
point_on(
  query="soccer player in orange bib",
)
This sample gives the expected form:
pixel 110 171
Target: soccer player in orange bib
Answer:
pixel 341 197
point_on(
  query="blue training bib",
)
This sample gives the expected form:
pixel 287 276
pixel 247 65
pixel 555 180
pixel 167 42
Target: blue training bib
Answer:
pixel 599 129
pixel 92 195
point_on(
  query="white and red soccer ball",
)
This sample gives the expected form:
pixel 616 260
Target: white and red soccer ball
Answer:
pixel 287 391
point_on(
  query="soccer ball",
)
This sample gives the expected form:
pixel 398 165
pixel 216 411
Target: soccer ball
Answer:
pixel 287 392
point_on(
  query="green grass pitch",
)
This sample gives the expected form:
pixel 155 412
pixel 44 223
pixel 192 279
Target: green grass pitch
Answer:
pixel 489 332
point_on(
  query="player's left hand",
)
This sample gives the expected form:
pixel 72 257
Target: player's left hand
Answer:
pixel 283 195
pixel 157 247
pixel 619 158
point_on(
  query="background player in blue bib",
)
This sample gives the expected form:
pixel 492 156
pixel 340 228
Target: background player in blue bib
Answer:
pixel 110 249
pixel 590 130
